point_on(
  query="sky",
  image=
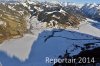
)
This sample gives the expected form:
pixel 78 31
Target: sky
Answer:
pixel 76 1
pixel 84 1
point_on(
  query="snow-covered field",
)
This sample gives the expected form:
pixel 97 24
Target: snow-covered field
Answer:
pixel 90 27
pixel 32 50
pixel 19 48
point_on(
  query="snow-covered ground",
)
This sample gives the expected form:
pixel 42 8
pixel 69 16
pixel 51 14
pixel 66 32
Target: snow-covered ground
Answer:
pixel 88 28
pixel 19 48
pixel 32 50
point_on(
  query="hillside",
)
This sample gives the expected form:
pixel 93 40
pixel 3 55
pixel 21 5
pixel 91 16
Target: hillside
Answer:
pixel 12 20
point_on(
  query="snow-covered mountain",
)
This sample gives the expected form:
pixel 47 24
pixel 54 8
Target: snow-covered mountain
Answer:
pixel 51 31
pixel 92 11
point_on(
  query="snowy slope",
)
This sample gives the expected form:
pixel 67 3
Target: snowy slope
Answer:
pixel 50 43
pixel 41 42
pixel 90 27
pixel 91 11
pixel 56 45
pixel 15 47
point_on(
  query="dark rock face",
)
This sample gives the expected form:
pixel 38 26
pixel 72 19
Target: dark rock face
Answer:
pixel 67 16
pixel 91 53
pixel 93 56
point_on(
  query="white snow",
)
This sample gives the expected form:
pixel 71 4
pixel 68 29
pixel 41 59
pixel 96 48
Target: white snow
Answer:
pixel 33 46
pixel 38 8
pixel 56 46
pixel 62 11
pixel 11 7
pixel 1 22
pixel 91 9
pixel 19 48
pixel 21 12
pixel 24 4
pixel 89 29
